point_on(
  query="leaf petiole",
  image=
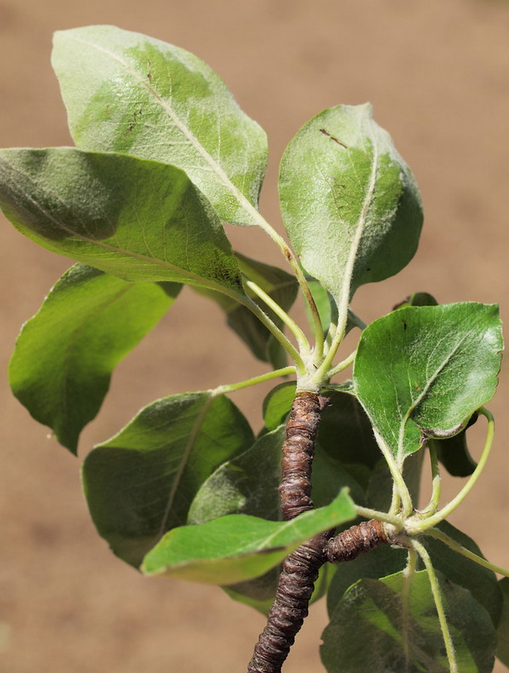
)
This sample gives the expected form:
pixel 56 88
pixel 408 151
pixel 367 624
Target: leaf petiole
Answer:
pixel 421 525
pixel 232 387
pixel 443 537
pixel 283 315
pixel 437 596
pixel 342 365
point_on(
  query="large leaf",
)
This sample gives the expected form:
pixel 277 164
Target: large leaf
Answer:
pixel 136 219
pixel 371 630
pixel 422 371
pixel 349 202
pixel 65 355
pixel 140 483
pixel 129 93
pixel 239 547
pixel 481 582
pixel 279 285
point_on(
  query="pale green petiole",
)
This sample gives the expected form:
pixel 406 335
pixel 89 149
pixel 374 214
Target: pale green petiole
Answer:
pixel 232 387
pixel 437 596
pixel 386 517
pixel 294 264
pixel 342 365
pixel 401 494
pixel 436 482
pixel 420 525
pixel 275 331
pixel 408 575
pixel 439 535
pixel 291 324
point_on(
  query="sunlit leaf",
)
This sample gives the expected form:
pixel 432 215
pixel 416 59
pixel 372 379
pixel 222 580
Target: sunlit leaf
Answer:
pixel 345 190
pixel 136 219
pixel 238 547
pixel 140 483
pixel 422 371
pixel 126 92
pixel 65 355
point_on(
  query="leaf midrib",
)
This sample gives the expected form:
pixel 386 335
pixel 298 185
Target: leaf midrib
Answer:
pixel 216 168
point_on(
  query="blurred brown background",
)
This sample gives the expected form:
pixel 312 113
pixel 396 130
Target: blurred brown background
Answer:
pixel 438 76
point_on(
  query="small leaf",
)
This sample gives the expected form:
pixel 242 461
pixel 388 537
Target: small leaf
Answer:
pixel 140 483
pixel 417 299
pixel 129 93
pixel 136 219
pixel 503 625
pixel 371 630
pixel 421 372
pixel 344 189
pixel 277 404
pixel 65 355
pixel 280 286
pixel 238 547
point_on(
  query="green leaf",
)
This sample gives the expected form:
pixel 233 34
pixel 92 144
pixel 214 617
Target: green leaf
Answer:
pixel 417 299
pixel 277 404
pixel 345 431
pixel 503 625
pixel 453 452
pixel 65 355
pixel 136 219
pixel 245 484
pixel 279 285
pixel 140 483
pixel 126 92
pixel 422 371
pixel 248 484
pixel 238 547
pixel 371 630
pixel 344 189
pixel 481 582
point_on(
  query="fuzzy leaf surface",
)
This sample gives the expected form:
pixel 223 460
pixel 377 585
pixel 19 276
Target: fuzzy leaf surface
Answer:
pixel 345 189
pixel 137 219
pixel 140 483
pixel 65 355
pixel 126 92
pixel 239 547
pixel 422 371
pixel 371 630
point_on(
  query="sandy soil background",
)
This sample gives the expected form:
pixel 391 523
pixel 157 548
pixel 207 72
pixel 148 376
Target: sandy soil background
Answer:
pixel 438 75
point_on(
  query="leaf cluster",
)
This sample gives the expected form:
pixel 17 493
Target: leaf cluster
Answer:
pixel 163 158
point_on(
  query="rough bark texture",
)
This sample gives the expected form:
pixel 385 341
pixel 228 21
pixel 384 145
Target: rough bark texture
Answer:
pixel 298 452
pixel 300 569
pixel 290 607
pixel 355 541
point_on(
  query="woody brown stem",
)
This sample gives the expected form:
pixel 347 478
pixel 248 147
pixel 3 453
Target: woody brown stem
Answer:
pixel 300 569
pixel 298 451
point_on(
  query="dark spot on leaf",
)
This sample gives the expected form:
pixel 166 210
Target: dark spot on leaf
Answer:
pixel 404 325
pixel 326 133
